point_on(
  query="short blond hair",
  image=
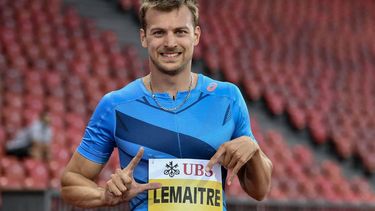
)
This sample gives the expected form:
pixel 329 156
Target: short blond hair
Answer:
pixel 167 5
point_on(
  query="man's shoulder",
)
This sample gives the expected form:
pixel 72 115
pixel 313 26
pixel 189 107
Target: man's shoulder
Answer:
pixel 131 91
pixel 218 88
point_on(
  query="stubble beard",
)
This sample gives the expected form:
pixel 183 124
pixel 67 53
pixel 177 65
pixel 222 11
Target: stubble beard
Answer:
pixel 169 72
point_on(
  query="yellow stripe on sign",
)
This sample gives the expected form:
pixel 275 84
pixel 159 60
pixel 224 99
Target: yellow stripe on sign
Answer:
pixel 186 194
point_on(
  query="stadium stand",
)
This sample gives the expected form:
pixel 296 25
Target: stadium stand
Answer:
pixel 56 66
pixel 312 65
pixel 306 64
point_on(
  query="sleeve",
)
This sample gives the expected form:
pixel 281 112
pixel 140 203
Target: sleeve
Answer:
pixel 241 116
pixel 98 141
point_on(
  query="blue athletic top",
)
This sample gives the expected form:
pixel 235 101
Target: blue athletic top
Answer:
pixel 129 118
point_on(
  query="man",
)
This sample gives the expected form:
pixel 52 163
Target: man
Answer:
pixel 170 113
pixel 34 140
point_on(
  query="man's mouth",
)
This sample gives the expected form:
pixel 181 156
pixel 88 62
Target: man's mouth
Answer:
pixel 171 54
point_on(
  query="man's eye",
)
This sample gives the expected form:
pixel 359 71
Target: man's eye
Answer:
pixel 158 33
pixel 181 32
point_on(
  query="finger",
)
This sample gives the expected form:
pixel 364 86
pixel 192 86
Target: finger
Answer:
pixel 134 162
pixel 116 179
pixel 227 157
pixel 127 180
pixel 232 163
pixel 234 173
pixel 113 189
pixel 215 158
pixel 149 186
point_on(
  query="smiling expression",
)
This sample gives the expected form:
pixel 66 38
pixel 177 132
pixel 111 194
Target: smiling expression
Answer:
pixel 170 37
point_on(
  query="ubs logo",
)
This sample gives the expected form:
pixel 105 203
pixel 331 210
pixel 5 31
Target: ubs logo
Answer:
pixel 171 170
pixel 189 169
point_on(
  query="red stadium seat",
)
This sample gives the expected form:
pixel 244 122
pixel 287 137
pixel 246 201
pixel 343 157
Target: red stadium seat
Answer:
pixel 14 174
pixel 38 176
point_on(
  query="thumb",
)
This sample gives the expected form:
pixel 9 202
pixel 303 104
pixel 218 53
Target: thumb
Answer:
pixel 149 186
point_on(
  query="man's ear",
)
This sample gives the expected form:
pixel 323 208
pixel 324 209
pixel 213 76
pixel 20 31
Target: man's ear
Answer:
pixel 142 35
pixel 197 35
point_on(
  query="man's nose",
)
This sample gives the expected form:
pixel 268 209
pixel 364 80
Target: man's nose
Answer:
pixel 170 40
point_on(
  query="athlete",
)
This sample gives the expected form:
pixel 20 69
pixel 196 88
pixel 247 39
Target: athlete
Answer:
pixel 170 113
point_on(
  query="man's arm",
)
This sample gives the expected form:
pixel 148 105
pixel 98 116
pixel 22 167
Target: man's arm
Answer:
pixel 77 183
pixel 244 158
pixel 79 188
pixel 255 175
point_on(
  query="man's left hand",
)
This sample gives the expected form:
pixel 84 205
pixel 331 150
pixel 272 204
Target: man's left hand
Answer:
pixel 233 155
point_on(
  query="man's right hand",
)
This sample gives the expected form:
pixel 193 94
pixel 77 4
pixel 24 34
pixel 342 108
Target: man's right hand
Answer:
pixel 122 186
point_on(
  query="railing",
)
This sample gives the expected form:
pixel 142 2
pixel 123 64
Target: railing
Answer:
pixel 235 204
pixel 29 200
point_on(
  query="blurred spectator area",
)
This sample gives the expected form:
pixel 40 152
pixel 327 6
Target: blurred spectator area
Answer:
pixel 53 60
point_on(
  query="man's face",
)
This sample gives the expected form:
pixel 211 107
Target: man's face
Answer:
pixel 170 38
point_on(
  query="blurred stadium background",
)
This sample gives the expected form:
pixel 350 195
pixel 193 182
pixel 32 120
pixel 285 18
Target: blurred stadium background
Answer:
pixel 306 69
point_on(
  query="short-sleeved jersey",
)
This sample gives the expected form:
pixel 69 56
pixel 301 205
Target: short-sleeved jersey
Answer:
pixel 129 118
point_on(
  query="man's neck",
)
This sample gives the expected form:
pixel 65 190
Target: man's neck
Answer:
pixel 162 83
